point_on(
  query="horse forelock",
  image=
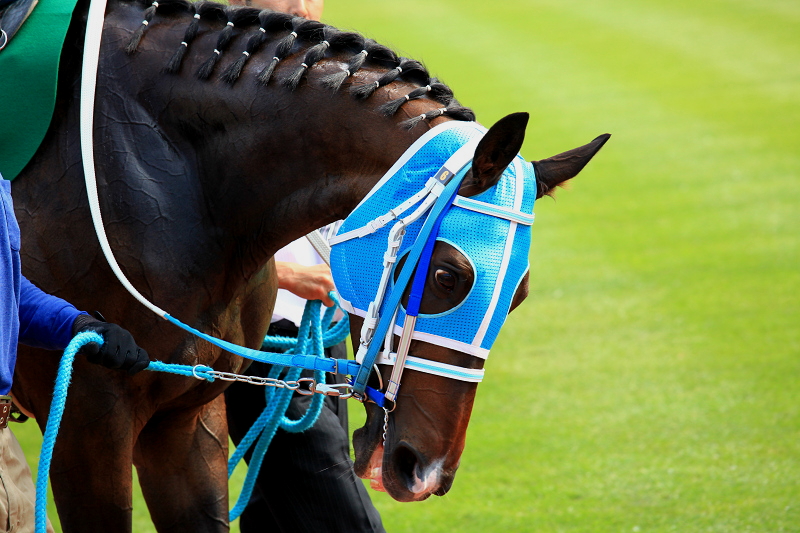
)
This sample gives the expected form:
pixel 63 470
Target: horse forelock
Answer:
pixel 315 40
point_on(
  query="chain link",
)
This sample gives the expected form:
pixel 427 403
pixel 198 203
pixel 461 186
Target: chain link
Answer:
pixel 385 425
pixel 304 386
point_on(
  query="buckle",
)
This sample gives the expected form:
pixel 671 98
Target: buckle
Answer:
pixel 5 411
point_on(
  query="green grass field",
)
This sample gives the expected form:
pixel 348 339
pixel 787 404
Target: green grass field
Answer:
pixel 651 382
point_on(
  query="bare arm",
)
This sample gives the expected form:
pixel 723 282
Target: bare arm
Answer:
pixel 307 282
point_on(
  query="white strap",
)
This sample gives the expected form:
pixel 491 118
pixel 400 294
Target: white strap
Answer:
pixel 393 214
pixel 368 229
pixel 459 346
pixel 320 245
pixel 400 358
pixel 91 56
pixel 472 375
pixel 493 210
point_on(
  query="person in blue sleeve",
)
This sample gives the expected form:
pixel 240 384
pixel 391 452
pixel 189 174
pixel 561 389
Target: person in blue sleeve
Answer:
pixel 30 316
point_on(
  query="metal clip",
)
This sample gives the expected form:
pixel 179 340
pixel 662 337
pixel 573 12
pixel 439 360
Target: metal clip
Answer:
pixel 306 386
pixel 340 390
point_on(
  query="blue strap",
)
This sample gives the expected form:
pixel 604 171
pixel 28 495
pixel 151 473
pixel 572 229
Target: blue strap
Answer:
pixel 376 396
pixel 393 301
pixel 308 362
pixel 199 371
pixel 417 288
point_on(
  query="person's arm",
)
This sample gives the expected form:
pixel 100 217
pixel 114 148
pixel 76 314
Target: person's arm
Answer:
pixel 46 321
pixel 307 282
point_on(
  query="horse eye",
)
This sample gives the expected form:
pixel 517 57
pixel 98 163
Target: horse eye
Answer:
pixel 445 279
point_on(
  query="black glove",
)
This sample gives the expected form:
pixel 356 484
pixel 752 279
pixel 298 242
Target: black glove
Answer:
pixel 119 351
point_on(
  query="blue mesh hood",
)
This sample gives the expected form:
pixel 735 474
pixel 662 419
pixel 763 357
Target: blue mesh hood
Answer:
pixel 497 247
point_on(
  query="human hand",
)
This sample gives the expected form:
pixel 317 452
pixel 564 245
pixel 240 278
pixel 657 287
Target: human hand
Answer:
pixel 118 351
pixel 307 282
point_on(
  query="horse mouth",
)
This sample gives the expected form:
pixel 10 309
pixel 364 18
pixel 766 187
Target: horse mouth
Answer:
pixel 399 474
pixel 374 471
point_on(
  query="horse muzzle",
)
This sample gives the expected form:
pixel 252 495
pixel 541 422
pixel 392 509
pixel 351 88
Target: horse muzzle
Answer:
pixel 399 469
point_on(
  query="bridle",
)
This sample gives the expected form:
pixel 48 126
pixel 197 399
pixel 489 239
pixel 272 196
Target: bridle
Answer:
pixel 426 207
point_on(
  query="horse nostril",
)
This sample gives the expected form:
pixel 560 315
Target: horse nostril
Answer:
pixel 406 461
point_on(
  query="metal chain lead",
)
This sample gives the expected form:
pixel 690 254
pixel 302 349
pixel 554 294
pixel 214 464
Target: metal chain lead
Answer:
pixel 304 386
pixel 385 424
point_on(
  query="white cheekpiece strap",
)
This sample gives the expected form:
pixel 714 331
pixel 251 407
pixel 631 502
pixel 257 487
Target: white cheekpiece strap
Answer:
pixel 320 245
pixel 393 214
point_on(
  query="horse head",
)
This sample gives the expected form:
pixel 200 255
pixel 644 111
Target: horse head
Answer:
pixel 478 273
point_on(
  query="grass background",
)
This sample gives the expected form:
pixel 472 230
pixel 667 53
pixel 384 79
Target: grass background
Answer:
pixel 650 382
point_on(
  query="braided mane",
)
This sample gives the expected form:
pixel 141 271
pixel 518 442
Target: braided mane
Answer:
pixel 295 34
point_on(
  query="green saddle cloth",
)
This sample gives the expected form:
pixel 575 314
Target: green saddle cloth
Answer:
pixel 28 78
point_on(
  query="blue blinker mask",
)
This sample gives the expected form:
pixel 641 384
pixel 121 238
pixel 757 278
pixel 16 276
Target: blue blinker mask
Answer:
pixel 492 229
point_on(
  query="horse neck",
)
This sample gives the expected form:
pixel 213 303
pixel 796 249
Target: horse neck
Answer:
pixel 270 163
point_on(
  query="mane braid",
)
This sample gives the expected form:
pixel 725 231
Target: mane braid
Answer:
pixel 274 21
pixel 269 21
pixel 390 108
pixel 453 110
pixel 282 50
pixel 314 54
pixel 381 54
pixel 384 57
pixel 334 81
pixel 244 17
pixel 201 10
pixel 406 66
pixel 223 41
pixel 212 12
pixel 441 92
pixel 136 38
pixel 310 30
pixel 175 61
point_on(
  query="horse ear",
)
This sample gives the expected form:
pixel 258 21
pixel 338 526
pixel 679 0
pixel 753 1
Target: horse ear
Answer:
pixel 494 153
pixel 554 171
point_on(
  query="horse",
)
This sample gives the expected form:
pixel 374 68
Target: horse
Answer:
pixel 222 134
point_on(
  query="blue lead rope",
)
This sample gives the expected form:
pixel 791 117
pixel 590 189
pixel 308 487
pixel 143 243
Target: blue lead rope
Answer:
pixel 273 415
pixel 63 379
pixel 310 339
